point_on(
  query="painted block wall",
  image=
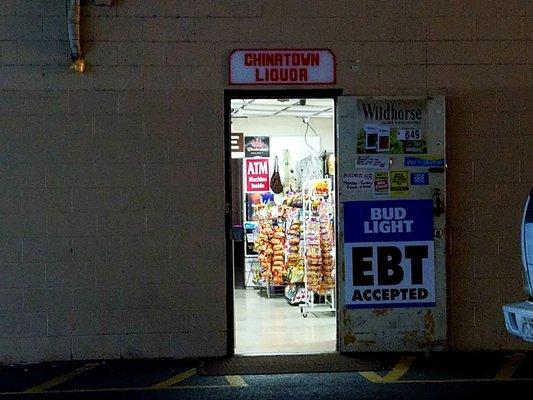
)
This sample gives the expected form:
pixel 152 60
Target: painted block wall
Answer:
pixel 111 183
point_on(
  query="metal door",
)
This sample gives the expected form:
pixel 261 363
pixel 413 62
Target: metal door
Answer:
pixel 391 223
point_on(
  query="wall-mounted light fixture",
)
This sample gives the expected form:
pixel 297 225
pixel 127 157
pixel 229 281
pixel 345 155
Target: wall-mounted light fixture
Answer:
pixel 73 22
pixel 74 35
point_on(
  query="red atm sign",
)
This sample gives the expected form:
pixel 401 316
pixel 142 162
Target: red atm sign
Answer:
pixel 282 67
pixel 257 174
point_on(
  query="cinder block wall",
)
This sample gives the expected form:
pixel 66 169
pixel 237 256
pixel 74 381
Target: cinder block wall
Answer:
pixel 111 183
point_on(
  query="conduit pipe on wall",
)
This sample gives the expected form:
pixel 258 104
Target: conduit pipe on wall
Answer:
pixel 73 20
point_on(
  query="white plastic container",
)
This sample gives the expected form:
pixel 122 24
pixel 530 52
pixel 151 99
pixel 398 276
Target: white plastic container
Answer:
pixel 519 316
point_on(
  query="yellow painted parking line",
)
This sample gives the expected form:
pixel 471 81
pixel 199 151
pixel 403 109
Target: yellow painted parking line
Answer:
pixel 399 370
pixel 371 376
pixel 175 379
pixel 464 380
pixel 197 387
pixel 510 366
pixel 119 389
pixel 236 381
pixel 61 378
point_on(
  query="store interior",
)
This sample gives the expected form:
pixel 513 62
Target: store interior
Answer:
pixel 283 216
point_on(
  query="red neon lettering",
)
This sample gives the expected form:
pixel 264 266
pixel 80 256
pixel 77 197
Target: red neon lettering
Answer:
pixel 293 74
pixel 315 59
pixel 258 78
pixel 295 59
pixel 303 74
pixel 248 59
pixel 268 59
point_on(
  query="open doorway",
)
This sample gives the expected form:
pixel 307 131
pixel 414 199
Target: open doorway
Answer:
pixel 283 226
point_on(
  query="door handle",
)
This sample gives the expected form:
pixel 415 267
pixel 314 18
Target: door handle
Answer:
pixel 438 207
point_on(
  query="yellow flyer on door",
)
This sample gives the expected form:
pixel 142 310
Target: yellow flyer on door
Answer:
pixel 399 183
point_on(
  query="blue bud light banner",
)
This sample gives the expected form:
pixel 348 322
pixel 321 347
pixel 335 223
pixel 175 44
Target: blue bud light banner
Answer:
pixel 389 254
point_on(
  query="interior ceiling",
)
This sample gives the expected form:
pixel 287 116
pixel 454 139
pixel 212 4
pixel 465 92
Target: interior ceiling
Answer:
pixel 316 108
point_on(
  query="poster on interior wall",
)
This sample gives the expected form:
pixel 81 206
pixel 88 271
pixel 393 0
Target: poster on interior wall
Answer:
pixel 256 146
pixel 237 145
pixel 256 171
pixel 392 127
pixel 389 254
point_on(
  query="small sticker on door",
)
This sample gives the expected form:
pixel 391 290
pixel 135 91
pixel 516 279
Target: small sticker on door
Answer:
pixel 419 178
pixel 381 183
pixel 399 183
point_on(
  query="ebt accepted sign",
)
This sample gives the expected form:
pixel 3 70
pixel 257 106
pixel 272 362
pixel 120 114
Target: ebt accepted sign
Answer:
pixel 389 254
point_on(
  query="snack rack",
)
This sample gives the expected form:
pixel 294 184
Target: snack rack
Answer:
pixel 269 218
pixel 317 200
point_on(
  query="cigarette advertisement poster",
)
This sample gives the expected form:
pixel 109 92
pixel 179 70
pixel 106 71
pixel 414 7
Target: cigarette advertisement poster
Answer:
pixel 257 146
pixel 256 171
pixel 389 254
pixel 392 127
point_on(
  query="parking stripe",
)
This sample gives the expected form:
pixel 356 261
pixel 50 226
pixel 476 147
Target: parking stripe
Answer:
pixel 399 370
pixel 175 379
pixel 61 378
pixel 236 381
pixel 119 389
pixel 510 366
pixel 465 380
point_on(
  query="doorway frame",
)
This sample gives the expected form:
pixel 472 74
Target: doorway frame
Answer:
pixel 229 94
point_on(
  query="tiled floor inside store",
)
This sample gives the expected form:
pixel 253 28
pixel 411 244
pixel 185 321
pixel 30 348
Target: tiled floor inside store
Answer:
pixel 273 326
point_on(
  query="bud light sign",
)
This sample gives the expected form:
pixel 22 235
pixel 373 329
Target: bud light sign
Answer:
pixel 389 254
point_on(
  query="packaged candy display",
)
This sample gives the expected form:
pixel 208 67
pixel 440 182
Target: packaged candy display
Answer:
pixel 295 294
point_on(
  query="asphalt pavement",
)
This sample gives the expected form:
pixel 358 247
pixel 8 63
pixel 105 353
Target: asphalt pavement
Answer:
pixel 410 376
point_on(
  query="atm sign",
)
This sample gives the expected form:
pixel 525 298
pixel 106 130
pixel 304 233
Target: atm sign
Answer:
pixel 257 174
